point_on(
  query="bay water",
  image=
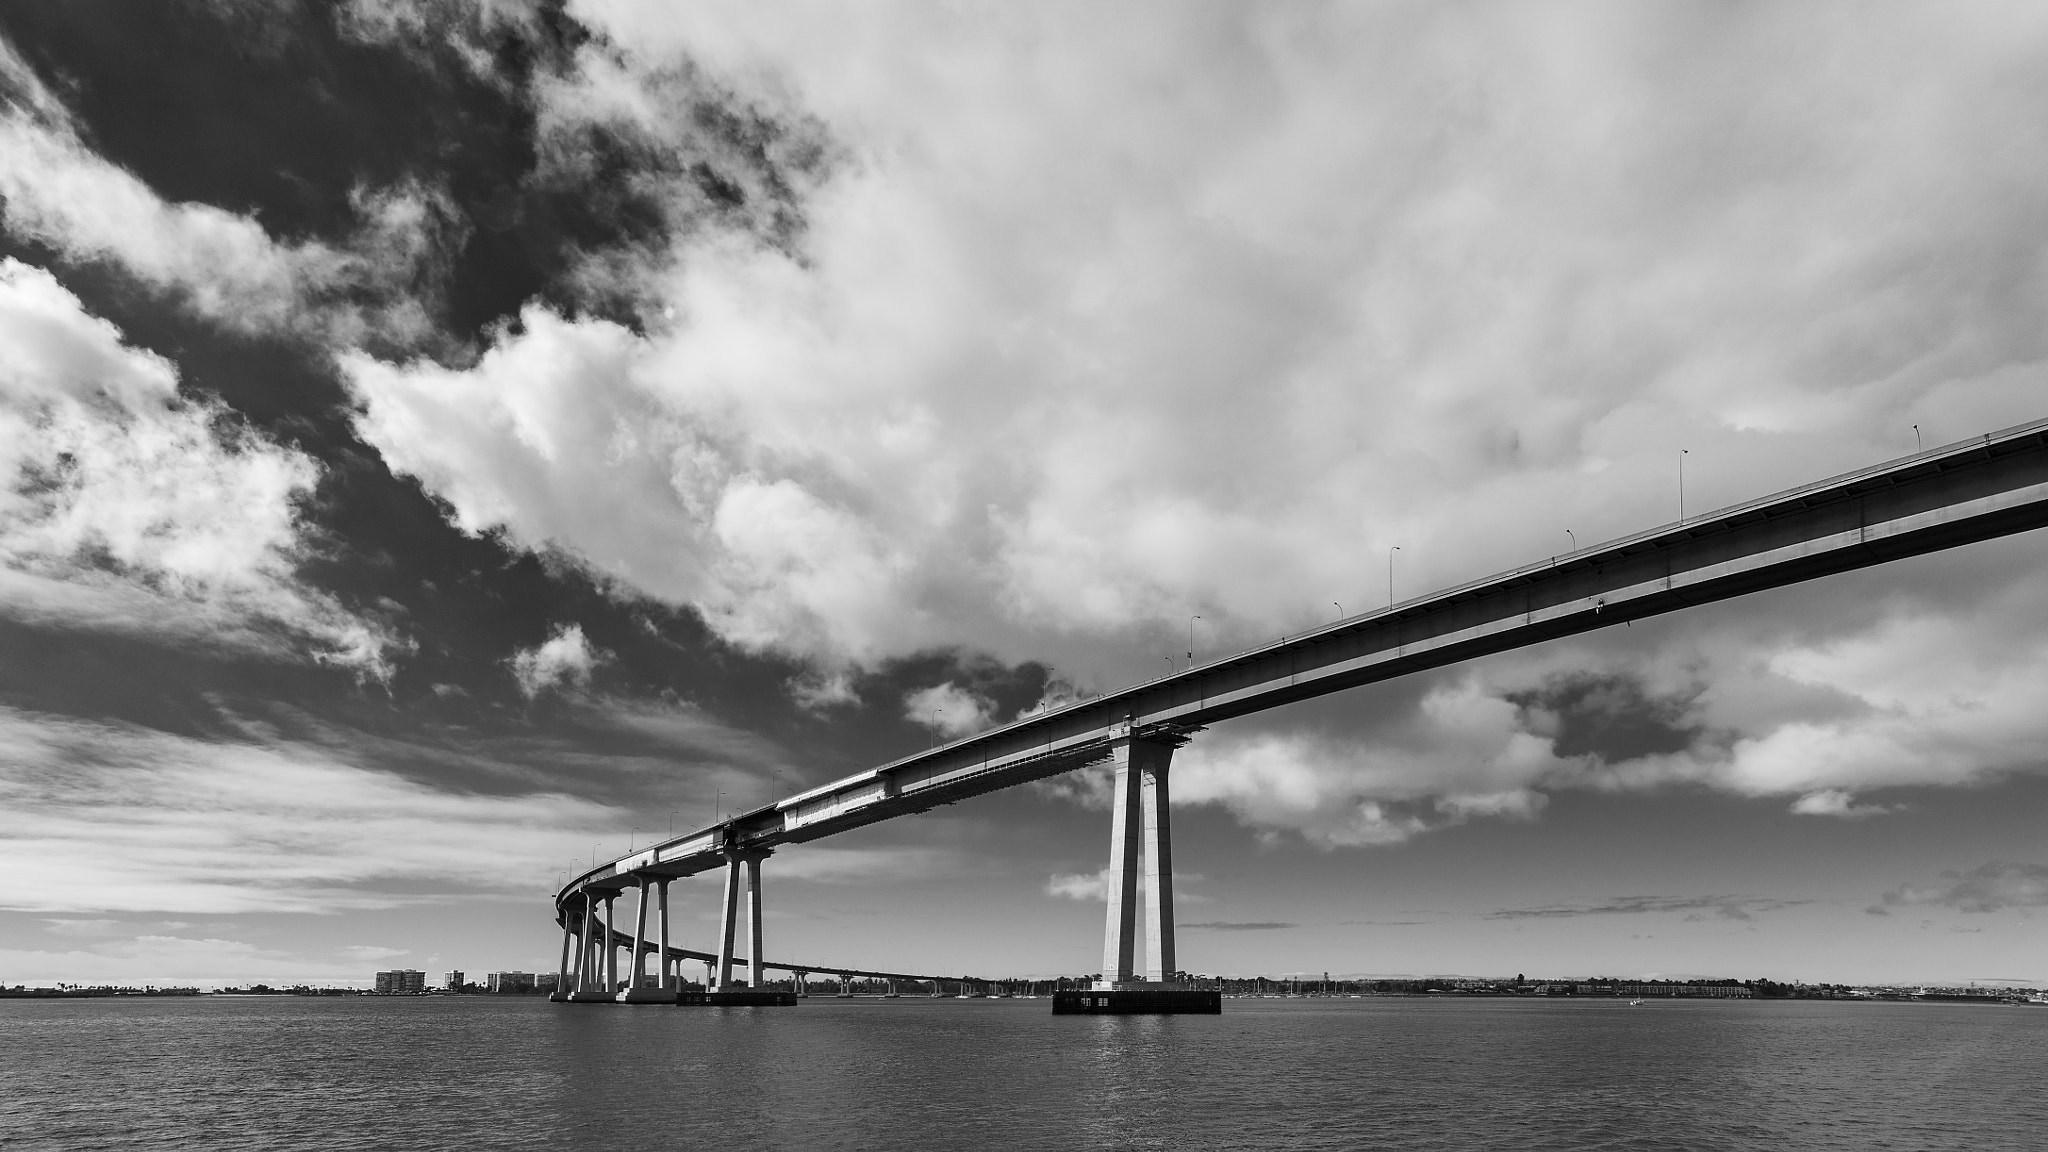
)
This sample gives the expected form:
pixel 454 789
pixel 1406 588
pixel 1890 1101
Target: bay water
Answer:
pixel 479 1072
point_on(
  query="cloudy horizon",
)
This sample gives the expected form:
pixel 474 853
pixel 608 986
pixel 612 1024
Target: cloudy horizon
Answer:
pixel 449 443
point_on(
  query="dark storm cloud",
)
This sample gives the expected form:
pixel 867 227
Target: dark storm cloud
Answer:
pixel 1696 908
pixel 1991 887
pixel 1607 714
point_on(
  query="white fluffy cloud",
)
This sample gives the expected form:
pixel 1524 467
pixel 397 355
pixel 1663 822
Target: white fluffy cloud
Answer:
pixel 564 660
pixel 1464 752
pixel 223 265
pixel 948 708
pixel 1105 318
pixel 98 817
pixel 127 507
pixel 1083 886
pixel 1835 802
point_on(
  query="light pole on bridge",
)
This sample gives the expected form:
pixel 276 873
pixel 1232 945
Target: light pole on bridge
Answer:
pixel 1682 454
pixel 1390 574
pixel 1191 640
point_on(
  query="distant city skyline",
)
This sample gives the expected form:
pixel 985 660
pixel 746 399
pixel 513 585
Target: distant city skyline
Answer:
pixel 446 446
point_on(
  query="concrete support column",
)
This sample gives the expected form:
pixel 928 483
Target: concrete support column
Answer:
pixel 611 949
pixel 728 921
pixel 562 969
pixel 1119 935
pixel 583 953
pixel 755 977
pixel 668 983
pixel 639 937
pixel 1140 843
pixel 1159 962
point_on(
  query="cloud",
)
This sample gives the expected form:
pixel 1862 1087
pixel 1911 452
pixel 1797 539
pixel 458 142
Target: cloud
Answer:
pixel 564 660
pixel 949 708
pixel 1462 746
pixel 1079 885
pixel 1934 685
pixel 682 726
pixel 1045 382
pixel 1234 926
pixel 102 817
pixel 372 953
pixel 954 360
pixel 464 26
pixel 1695 907
pixel 175 961
pixel 221 265
pixel 817 692
pixel 825 865
pixel 129 508
pixel 1835 802
pixel 89 928
pixel 1990 887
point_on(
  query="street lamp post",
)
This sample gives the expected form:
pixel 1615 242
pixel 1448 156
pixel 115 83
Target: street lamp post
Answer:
pixel 1682 454
pixel 1390 574
pixel 1191 640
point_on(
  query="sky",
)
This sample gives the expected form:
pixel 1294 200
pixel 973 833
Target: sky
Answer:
pixel 449 442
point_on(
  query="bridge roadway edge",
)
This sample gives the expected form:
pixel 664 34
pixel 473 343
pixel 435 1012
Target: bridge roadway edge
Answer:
pixel 1943 498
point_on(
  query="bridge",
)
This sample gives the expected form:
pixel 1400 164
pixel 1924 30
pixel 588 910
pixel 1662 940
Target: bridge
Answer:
pixel 1979 489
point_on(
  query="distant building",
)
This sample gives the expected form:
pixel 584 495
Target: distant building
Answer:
pixel 509 983
pixel 452 980
pixel 401 982
pixel 545 982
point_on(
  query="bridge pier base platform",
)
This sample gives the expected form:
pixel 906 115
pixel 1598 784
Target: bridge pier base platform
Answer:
pixel 740 997
pixel 1138 1002
pixel 646 996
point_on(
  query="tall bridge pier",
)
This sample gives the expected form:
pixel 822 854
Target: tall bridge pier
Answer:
pixel 1140 849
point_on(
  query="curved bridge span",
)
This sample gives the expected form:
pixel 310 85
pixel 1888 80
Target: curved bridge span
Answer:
pixel 1995 485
